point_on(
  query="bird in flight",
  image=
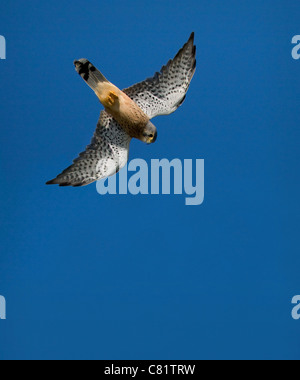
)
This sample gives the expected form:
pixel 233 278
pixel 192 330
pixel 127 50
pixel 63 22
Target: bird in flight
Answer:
pixel 127 115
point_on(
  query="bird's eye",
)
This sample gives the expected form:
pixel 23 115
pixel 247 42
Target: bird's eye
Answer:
pixel 151 135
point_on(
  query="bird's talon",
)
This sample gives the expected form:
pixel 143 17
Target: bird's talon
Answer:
pixel 111 98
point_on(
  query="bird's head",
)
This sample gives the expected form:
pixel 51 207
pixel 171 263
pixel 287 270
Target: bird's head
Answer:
pixel 149 134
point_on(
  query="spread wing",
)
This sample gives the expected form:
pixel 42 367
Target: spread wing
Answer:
pixel 105 156
pixel 166 91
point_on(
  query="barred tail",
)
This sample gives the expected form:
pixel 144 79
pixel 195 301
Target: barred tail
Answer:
pixel 89 73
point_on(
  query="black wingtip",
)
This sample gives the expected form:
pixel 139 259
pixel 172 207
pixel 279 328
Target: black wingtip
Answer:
pixel 192 37
pixel 52 182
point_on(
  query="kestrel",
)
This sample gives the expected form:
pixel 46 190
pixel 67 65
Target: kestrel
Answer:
pixel 127 115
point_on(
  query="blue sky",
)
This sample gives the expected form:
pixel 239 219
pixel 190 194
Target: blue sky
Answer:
pixel 145 277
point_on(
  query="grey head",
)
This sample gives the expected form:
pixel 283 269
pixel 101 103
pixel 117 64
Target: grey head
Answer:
pixel 149 133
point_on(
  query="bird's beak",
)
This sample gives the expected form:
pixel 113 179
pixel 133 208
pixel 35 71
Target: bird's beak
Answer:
pixel 152 140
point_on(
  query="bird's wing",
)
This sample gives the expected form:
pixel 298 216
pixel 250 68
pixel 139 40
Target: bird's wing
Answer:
pixel 166 91
pixel 105 156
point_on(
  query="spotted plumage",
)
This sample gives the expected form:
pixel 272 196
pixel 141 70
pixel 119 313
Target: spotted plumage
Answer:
pixel 127 115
